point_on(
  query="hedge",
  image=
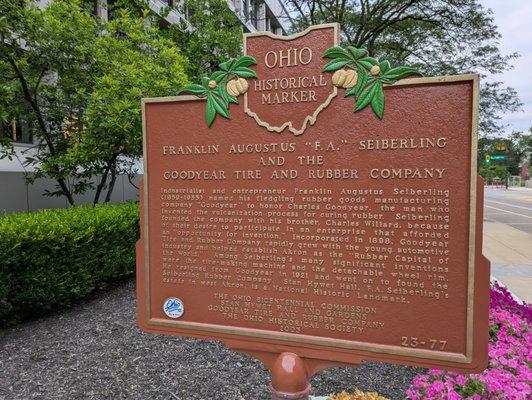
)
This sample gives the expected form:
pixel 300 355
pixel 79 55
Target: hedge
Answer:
pixel 51 259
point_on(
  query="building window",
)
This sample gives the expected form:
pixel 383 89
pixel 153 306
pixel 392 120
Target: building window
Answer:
pixel 18 131
pixel 255 13
pixel 268 23
pixel 276 28
pixel 245 8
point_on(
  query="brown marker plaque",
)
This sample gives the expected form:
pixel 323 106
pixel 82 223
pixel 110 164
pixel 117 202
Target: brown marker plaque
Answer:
pixel 304 227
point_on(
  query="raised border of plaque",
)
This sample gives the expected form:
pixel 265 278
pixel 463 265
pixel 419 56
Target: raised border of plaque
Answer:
pixel 321 348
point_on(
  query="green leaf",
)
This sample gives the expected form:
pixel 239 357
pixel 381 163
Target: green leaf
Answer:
pixel 220 105
pixel 205 82
pixel 210 111
pixel 222 91
pixel 368 62
pixel 397 73
pixel 385 66
pixel 245 72
pixel 365 98
pixel 335 65
pixel 218 76
pixel 365 64
pixel 371 60
pixel 349 92
pixel 246 61
pixel 377 102
pixel 336 52
pixel 195 89
pixel 228 65
pixel 356 53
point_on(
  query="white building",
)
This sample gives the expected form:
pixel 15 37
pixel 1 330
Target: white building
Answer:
pixel 255 15
pixel 16 195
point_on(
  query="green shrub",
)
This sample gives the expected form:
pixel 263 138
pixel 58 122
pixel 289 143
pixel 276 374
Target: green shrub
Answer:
pixel 52 258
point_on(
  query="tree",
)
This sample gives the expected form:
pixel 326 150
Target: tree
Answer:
pixel 111 142
pixel 214 35
pixel 523 145
pixel 490 173
pixel 211 34
pixel 44 60
pixel 440 37
pixel 516 148
pixel 79 81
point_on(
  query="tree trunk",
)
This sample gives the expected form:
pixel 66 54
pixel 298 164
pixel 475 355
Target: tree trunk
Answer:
pixel 110 163
pixel 42 126
pixel 111 184
pixel 100 186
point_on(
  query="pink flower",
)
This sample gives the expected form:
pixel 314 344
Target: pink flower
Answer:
pixel 419 381
pixel 461 380
pixel 452 395
pixel 413 395
pixel 509 372
pixel 435 388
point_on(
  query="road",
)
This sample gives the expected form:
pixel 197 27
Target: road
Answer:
pixel 508 238
pixel 510 207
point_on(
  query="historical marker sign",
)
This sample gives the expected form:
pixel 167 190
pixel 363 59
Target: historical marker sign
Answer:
pixel 296 224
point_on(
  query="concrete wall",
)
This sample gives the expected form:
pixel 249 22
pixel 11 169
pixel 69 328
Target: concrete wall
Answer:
pixel 17 195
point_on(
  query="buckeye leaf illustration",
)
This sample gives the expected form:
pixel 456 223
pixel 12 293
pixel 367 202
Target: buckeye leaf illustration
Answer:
pixel 395 74
pixel 210 112
pixel 377 101
pixel 367 82
pixel 335 65
pixel 197 90
pixel 223 87
pixel 366 96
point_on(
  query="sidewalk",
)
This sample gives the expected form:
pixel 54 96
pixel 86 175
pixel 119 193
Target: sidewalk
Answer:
pixel 510 253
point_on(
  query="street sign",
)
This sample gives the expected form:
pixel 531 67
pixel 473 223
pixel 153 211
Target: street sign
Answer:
pixel 501 146
pixel 496 157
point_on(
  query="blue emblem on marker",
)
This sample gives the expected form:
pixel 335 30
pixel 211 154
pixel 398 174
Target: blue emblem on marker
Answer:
pixel 173 307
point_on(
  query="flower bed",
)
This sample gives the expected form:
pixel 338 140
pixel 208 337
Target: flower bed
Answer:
pixel 509 372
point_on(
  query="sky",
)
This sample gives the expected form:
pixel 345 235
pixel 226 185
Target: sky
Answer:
pixel 514 19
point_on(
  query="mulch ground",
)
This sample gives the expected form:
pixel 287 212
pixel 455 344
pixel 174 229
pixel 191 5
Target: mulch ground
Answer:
pixel 95 351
